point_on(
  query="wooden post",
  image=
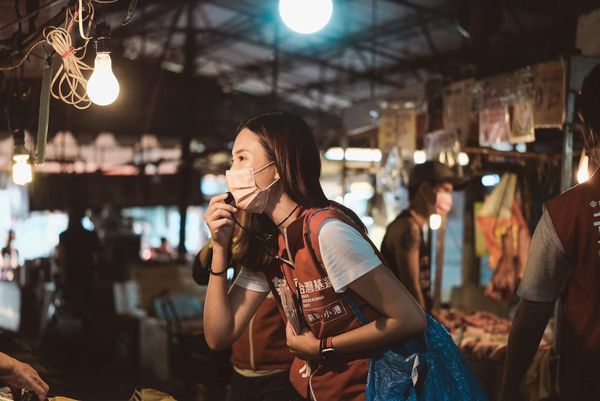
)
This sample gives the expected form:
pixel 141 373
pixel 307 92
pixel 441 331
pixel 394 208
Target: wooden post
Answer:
pixel 185 169
pixel 471 272
pixel 440 241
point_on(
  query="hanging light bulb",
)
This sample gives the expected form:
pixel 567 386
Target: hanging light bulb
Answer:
pixel 463 159
pixel 21 170
pixel 435 221
pixel 306 16
pixel 583 172
pixel 102 87
pixel 420 157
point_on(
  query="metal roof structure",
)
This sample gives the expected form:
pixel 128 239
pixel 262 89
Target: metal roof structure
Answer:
pixel 369 50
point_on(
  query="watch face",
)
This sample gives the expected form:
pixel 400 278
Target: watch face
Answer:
pixel 328 353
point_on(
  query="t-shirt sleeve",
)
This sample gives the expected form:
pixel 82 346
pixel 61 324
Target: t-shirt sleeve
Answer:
pixel 346 254
pixel 253 281
pixel 547 270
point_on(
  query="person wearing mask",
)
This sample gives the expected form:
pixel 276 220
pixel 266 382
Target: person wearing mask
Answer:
pixel 564 263
pixel 406 245
pixel 20 376
pixel 341 303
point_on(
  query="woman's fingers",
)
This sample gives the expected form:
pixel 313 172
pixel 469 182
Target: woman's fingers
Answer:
pixel 223 223
pixel 289 331
pixel 222 206
pixel 217 198
pixel 217 210
pixel 221 214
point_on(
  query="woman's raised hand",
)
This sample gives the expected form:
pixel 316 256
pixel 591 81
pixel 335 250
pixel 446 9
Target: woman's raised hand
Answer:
pixel 219 218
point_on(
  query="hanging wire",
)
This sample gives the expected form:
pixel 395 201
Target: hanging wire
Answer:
pixel 69 84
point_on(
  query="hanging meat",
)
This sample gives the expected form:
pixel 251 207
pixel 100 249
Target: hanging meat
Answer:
pixel 506 237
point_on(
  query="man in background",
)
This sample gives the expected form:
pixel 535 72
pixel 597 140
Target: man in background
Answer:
pixel 406 246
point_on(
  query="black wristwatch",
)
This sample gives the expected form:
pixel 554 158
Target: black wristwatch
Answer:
pixel 328 352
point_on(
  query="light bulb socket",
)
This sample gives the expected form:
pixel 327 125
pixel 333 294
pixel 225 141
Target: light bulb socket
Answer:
pixel 19 143
pixel 102 38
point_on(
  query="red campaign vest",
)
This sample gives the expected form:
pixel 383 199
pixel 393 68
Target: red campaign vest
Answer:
pixel 262 344
pixel 325 312
pixel 576 218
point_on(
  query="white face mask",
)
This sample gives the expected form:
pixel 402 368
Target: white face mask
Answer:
pixel 443 202
pixel 242 185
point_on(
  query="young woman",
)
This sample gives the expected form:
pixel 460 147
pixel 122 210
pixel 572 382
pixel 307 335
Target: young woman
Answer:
pixel 315 258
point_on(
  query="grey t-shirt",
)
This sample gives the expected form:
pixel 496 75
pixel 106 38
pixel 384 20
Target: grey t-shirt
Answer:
pixel 547 270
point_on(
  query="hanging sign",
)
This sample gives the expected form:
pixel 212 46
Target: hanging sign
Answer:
pixel 549 95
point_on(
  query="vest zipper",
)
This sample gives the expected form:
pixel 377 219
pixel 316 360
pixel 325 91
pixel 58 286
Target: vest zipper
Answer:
pixel 251 344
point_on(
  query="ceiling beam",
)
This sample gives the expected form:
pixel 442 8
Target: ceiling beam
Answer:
pixel 308 58
pixel 428 62
pixel 440 12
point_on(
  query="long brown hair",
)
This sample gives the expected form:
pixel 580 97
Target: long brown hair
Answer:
pixel 588 103
pixel 290 143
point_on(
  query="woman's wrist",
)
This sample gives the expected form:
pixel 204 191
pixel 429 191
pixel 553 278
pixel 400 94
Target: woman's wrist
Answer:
pixel 220 249
pixel 327 351
pixel 218 272
pixel 220 261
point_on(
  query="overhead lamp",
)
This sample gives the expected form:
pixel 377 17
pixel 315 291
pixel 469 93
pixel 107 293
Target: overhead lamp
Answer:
pixel 21 170
pixel 102 87
pixel 463 159
pixel 305 16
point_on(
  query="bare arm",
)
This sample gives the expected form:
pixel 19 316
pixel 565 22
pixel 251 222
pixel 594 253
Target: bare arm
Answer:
pixel 409 272
pixel 226 314
pixel 402 318
pixel 525 336
pixel 405 241
pixel 546 275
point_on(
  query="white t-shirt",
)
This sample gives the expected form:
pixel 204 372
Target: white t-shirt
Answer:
pixel 346 256
pixel 547 271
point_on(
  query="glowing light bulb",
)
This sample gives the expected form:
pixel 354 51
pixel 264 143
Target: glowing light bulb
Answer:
pixel 435 221
pixel 102 87
pixel 490 180
pixel 21 170
pixel 306 16
pixel 583 172
pixel 463 159
pixel 420 156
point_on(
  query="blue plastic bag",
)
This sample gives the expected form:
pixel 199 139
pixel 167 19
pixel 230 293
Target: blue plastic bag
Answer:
pixel 427 368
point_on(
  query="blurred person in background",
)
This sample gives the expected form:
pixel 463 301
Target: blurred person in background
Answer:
pixel 564 263
pixel 406 246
